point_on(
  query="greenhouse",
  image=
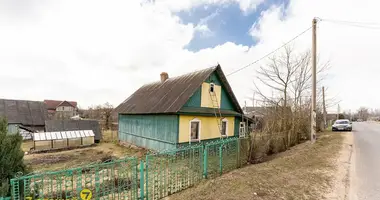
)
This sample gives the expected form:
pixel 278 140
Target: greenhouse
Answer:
pixel 62 139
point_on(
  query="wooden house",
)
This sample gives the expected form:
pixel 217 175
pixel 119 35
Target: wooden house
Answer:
pixel 23 116
pixel 188 109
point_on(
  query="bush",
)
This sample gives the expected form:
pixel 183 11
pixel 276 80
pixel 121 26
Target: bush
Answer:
pixel 11 157
pixel 282 128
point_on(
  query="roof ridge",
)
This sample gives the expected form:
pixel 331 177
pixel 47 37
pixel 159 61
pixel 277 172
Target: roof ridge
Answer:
pixel 20 100
pixel 182 75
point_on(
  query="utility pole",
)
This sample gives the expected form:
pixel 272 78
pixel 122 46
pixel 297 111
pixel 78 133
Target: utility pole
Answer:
pixel 253 100
pixel 324 108
pixel 314 83
pixel 337 115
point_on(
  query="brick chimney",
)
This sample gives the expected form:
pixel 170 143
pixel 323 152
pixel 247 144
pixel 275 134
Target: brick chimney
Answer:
pixel 164 76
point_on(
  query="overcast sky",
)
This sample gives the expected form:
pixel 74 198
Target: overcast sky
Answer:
pixel 102 51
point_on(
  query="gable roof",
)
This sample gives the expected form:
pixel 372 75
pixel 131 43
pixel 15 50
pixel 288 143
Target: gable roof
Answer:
pixel 53 104
pixel 23 112
pixel 170 96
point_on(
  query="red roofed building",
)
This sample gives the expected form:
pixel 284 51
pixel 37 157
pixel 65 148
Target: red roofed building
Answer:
pixel 58 109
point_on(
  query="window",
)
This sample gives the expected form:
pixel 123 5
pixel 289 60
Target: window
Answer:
pixel 212 86
pixel 242 129
pixel 342 122
pixel 195 130
pixel 224 127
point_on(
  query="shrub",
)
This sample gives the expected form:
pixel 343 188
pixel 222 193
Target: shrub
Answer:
pixel 11 157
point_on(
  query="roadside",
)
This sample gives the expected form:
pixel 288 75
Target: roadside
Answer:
pixel 306 171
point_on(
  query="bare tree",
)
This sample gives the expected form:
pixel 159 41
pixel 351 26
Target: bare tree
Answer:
pixel 363 113
pixel 102 113
pixel 287 116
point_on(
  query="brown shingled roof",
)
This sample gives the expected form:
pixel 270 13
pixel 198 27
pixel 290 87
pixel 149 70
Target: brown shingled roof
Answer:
pixel 171 95
pixel 53 104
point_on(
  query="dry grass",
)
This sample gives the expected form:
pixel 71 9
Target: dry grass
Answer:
pixel 64 159
pixel 303 172
pixel 109 136
pixel 77 157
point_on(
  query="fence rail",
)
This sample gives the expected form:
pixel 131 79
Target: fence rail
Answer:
pixel 160 175
pixel 113 180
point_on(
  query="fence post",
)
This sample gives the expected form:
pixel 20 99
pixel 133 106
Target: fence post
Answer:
pixel 238 152
pixel 221 159
pixel 142 180
pixel 205 163
pixel 15 189
pixel 146 177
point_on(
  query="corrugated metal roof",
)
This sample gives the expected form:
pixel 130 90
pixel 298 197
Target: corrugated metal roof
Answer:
pixel 42 136
pixel 23 112
pixel 171 95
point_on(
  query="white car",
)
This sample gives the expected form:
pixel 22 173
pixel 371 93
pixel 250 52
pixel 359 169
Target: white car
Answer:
pixel 342 125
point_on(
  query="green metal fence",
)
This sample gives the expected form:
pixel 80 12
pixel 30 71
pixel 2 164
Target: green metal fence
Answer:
pixel 113 180
pixel 221 156
pixel 172 171
pixel 161 175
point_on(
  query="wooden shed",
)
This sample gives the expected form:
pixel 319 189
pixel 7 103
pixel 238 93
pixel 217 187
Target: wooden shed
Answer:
pixel 63 139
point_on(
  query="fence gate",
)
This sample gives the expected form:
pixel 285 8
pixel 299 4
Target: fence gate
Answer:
pixel 172 171
pixel 113 180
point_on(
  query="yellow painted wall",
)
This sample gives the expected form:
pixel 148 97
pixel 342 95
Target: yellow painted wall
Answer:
pixel 209 127
pixel 206 98
pixel 42 145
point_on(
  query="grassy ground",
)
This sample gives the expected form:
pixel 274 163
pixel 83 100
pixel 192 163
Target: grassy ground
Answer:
pixel 304 172
pixel 78 157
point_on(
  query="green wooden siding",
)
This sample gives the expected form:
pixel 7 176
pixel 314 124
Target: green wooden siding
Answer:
pixel 237 125
pixel 195 100
pixel 157 132
pixel 214 78
pixel 226 102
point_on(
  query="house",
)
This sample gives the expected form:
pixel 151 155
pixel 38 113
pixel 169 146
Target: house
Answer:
pixel 61 109
pixel 180 111
pixel 23 116
pixel 259 114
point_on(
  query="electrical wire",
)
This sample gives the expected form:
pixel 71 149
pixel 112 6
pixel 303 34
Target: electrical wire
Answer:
pixel 268 54
pixel 350 22
pixel 368 25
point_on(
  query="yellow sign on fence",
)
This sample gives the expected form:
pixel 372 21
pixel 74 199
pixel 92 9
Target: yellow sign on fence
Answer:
pixel 85 194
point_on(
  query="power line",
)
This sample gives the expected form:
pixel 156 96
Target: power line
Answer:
pixel 350 22
pixel 368 25
pixel 303 32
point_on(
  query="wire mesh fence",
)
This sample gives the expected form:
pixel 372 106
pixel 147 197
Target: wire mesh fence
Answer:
pixel 225 155
pixel 160 175
pixel 173 171
pixel 113 180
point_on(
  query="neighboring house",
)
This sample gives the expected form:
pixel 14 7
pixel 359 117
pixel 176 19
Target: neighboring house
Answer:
pixel 74 125
pixel 178 111
pixel 23 116
pixel 61 109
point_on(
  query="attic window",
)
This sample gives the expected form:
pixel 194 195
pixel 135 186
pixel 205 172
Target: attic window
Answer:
pixel 212 85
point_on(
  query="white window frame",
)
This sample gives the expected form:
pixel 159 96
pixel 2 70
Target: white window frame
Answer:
pixel 242 130
pixel 226 121
pixel 212 85
pixel 199 130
